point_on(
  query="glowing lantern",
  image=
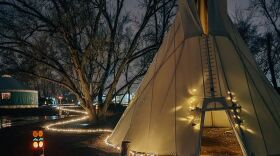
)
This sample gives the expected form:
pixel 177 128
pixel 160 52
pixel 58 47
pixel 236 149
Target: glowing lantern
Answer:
pixel 38 140
pixel 41 133
pixel 35 144
pixel 35 134
pixel 41 144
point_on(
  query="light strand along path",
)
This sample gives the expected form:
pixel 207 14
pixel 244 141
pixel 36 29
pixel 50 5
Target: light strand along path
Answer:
pixel 84 116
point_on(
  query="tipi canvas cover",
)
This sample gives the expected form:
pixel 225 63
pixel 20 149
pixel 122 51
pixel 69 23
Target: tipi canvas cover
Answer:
pixel 202 76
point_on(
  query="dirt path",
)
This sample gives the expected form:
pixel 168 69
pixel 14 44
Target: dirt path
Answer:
pixel 17 141
pixel 220 141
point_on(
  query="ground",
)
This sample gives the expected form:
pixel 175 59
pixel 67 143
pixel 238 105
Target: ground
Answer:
pixel 220 141
pixel 17 141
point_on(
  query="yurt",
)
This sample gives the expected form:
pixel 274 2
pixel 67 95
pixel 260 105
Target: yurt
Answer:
pixel 14 94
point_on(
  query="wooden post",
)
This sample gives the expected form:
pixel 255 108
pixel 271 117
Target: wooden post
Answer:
pixel 125 148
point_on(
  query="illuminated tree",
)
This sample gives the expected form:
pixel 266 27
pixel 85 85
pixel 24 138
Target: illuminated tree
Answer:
pixel 85 46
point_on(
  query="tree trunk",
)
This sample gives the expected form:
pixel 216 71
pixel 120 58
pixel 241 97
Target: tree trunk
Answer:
pixel 91 113
pixel 84 85
pixel 87 105
pixel 270 61
pixel 100 96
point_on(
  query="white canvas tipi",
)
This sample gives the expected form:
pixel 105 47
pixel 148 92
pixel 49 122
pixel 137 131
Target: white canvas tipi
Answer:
pixel 202 76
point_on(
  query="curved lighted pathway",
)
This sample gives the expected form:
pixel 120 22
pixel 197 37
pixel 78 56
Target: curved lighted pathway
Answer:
pixel 84 116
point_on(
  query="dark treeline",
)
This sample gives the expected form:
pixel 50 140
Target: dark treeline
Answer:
pixel 90 47
pixel 259 26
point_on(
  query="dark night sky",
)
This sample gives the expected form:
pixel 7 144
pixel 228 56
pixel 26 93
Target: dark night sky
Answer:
pixel 232 4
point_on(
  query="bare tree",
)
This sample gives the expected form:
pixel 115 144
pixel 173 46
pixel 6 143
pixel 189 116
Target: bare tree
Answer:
pixel 263 41
pixel 85 46
pixel 270 10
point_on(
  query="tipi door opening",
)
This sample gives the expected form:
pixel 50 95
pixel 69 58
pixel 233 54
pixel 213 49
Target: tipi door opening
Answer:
pixel 218 137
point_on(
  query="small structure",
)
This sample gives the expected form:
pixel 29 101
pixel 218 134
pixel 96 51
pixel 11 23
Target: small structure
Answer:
pixel 203 76
pixel 14 94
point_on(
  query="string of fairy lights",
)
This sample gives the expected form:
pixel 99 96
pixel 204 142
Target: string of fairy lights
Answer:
pixel 54 126
pixel 70 109
pixel 58 126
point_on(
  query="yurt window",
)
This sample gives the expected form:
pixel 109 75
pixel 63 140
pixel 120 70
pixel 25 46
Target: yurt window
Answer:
pixel 6 96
